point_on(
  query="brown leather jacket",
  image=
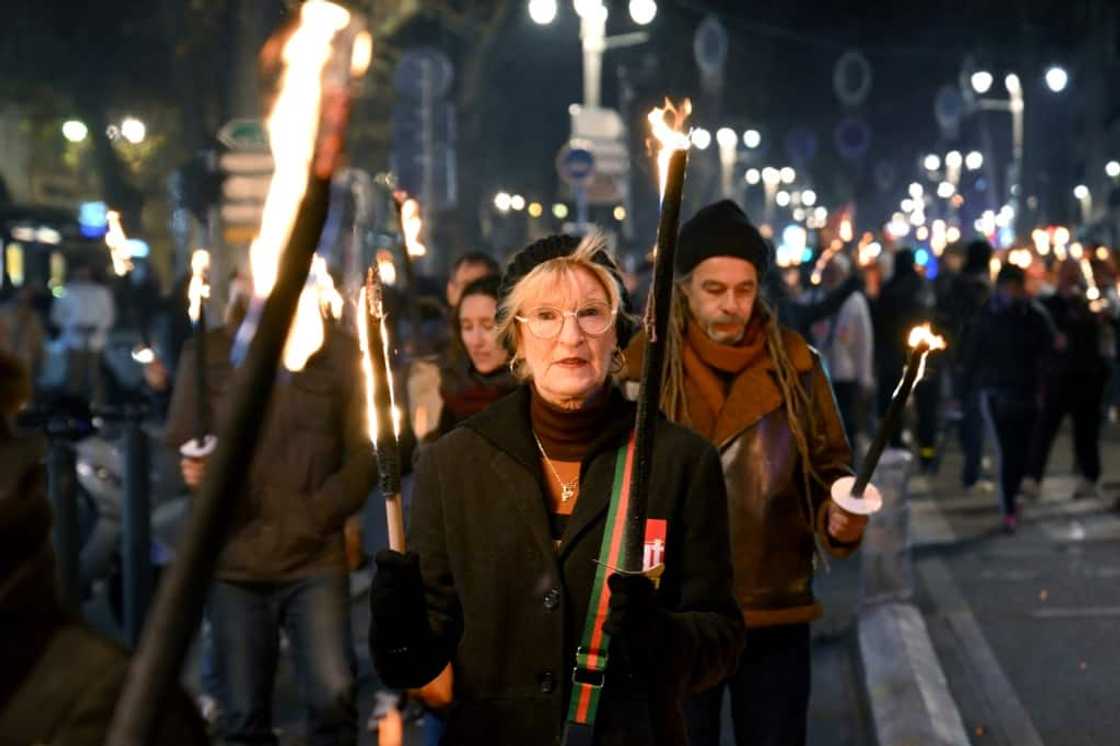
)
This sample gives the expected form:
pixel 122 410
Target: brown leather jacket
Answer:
pixel 772 537
pixel 314 465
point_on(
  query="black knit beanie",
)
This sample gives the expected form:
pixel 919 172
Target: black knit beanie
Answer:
pixel 720 229
pixel 554 247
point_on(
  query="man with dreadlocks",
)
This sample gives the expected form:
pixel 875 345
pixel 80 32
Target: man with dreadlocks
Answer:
pixel 759 393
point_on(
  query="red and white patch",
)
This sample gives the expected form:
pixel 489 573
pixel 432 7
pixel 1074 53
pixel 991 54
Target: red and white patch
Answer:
pixel 654 551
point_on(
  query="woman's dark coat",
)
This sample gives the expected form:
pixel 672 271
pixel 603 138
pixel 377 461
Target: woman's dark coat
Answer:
pixel 515 605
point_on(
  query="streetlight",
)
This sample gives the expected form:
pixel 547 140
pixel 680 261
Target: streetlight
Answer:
pixel 932 162
pixel 517 202
pixel 1112 168
pixel 642 11
pixel 593 40
pixel 771 176
pixel 808 198
pixel 1081 191
pixel 916 190
pixel 560 211
pixel 788 175
pixel 974 160
pixel 752 139
pixel 953 159
pixel 1057 78
pixel 945 190
pixel 133 130
pixel 543 12
pixel 782 198
pixel 502 201
pixel 981 81
pixel 74 130
pixel 1013 85
pixel 753 176
pixel 726 138
pixel 701 138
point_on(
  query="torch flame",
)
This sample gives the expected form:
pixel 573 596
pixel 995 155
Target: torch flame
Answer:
pixel 411 223
pixel 117 242
pixel 386 270
pixel 330 300
pixel 293 127
pixel 199 288
pixel 923 336
pixel 666 125
pixel 371 304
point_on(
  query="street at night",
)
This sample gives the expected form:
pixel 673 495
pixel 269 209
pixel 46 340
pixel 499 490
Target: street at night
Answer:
pixel 559 373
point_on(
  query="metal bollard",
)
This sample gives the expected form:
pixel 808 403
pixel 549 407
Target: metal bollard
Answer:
pixel 136 535
pixel 887 571
pixel 63 499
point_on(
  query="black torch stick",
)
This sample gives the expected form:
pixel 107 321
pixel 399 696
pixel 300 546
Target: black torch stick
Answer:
pixel 649 395
pixel 386 445
pixel 892 420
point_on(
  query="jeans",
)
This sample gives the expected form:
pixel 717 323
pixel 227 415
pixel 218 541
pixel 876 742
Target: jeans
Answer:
pixel 769 692
pixel 246 619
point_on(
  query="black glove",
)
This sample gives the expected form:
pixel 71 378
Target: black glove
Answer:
pixel 635 619
pixel 400 635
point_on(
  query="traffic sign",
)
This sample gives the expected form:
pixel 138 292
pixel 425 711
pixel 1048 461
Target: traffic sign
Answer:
pixel 575 165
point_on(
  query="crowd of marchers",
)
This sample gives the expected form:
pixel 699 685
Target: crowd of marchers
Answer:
pixel 506 621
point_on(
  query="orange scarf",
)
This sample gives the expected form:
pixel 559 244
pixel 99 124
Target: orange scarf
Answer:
pixel 717 409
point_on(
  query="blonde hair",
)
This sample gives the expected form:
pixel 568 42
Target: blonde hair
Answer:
pixel 513 305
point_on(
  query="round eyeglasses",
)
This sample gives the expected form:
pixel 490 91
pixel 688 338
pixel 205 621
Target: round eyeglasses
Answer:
pixel 546 322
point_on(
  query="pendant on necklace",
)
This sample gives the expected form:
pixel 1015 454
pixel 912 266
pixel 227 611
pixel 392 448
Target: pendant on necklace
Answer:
pixel 567 492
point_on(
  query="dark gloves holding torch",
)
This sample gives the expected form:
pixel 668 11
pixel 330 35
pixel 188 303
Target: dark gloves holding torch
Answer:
pixel 404 649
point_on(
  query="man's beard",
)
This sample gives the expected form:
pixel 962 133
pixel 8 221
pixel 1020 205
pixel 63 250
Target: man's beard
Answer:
pixel 727 335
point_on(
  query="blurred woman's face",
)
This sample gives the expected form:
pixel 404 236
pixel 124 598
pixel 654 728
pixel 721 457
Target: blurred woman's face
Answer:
pixel 571 366
pixel 478 332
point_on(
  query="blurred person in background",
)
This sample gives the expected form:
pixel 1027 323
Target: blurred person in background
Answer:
pixel 905 301
pixel 285 563
pixel 1075 379
pixel 847 344
pixel 959 311
pixel 1002 366
pixel 83 315
pixel 474 372
pixel 423 383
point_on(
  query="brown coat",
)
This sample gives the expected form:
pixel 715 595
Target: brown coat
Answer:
pixel 772 538
pixel 314 465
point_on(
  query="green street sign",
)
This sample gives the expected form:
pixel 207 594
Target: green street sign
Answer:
pixel 243 134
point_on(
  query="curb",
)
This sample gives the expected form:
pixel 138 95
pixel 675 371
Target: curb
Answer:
pixel 905 684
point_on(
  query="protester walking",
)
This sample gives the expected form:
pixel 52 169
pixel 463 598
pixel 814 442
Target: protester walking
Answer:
pixel 505 573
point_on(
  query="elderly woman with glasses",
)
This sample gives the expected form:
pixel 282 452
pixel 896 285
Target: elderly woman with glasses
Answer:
pixel 509 577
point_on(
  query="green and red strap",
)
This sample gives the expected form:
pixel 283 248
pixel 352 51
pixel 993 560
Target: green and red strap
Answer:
pixel 591 655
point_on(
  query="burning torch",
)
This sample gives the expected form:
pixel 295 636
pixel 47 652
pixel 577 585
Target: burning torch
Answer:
pixel 856 494
pixel 411 223
pixel 121 255
pixel 197 292
pixel 667 128
pixel 382 413
pixel 321 56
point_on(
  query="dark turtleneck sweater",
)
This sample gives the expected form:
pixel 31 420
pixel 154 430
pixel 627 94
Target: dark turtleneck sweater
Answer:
pixel 565 435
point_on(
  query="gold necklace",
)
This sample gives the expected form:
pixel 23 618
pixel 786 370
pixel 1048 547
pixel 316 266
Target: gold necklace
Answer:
pixel 567 489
